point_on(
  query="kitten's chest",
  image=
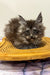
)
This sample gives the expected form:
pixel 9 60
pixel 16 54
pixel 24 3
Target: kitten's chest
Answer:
pixel 30 46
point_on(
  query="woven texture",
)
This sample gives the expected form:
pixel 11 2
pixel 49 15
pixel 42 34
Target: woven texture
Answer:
pixel 9 53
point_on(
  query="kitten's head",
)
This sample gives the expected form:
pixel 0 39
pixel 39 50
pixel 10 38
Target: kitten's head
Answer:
pixel 29 31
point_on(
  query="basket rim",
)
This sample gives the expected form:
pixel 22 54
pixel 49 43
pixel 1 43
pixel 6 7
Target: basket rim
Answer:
pixel 25 54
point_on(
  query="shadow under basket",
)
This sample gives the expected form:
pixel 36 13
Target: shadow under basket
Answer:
pixel 9 53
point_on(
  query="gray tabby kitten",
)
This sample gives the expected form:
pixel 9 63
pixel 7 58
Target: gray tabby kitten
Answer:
pixel 25 34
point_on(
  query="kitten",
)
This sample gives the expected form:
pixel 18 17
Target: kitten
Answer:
pixel 25 34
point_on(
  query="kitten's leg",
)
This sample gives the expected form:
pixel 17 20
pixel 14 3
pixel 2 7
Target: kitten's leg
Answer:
pixel 23 47
pixel 34 46
pixel 16 43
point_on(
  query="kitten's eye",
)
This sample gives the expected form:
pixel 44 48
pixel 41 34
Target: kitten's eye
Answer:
pixel 35 31
pixel 27 32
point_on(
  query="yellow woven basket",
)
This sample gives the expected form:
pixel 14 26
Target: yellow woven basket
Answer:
pixel 9 53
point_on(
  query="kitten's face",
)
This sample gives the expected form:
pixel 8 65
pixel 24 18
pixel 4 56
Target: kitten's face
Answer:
pixel 30 31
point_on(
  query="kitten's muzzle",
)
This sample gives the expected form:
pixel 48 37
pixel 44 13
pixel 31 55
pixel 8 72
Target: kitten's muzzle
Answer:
pixel 31 37
pixel 34 37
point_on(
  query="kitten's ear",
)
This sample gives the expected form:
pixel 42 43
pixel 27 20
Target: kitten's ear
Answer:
pixel 39 18
pixel 22 20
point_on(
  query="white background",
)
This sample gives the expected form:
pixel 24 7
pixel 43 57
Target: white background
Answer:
pixel 29 9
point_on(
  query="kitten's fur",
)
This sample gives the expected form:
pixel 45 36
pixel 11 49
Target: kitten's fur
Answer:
pixel 25 33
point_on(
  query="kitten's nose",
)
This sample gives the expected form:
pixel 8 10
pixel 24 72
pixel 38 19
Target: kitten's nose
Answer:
pixel 31 36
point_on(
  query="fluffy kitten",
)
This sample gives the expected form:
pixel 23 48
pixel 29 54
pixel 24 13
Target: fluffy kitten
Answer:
pixel 25 34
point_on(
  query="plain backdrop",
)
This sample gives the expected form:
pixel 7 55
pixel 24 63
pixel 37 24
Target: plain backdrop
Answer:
pixel 29 9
